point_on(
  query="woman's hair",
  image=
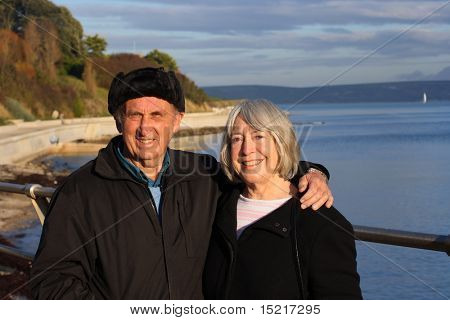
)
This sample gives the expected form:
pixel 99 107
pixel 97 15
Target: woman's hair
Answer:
pixel 263 115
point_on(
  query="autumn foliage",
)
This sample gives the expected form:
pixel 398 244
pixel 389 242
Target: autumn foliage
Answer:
pixel 47 64
pixel 108 66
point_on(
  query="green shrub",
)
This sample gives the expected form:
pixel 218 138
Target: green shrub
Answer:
pixel 162 59
pixel 78 108
pixel 18 110
pixel 191 91
pixel 3 121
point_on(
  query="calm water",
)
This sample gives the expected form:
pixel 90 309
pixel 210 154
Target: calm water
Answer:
pixel 388 165
pixel 389 168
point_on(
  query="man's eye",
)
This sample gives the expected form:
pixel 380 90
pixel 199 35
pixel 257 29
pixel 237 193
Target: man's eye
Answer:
pixel 134 116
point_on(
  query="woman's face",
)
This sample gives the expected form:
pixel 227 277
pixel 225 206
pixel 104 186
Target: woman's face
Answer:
pixel 253 153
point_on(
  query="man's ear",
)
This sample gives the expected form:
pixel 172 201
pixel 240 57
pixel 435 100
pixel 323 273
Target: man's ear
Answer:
pixel 179 116
pixel 119 126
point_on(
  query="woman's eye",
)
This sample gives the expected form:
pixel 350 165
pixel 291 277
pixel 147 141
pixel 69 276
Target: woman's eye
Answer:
pixel 235 139
pixel 259 137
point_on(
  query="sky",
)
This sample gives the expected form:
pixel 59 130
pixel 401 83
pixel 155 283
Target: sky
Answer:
pixel 286 43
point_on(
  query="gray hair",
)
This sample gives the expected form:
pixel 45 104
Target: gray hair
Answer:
pixel 118 115
pixel 263 115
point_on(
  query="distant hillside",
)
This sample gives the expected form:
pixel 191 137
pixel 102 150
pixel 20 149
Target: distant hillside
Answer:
pixel 50 68
pixel 374 92
pixel 105 67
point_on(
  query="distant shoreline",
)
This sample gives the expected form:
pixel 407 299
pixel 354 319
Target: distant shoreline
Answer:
pixel 408 91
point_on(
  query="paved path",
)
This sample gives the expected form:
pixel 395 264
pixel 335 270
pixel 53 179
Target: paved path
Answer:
pixel 24 140
pixel 192 120
pixel 24 128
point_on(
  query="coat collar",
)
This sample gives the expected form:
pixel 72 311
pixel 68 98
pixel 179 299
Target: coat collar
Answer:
pixel 184 166
pixel 277 222
pixel 108 165
pixel 226 213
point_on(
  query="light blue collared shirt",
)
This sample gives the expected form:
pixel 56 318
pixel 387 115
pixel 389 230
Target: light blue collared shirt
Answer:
pixel 153 186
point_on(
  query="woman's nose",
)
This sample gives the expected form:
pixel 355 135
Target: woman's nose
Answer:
pixel 247 146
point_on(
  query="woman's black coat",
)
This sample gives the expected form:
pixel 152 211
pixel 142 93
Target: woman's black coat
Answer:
pixel 289 254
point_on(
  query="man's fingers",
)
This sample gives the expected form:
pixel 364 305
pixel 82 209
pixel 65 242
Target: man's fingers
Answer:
pixel 329 202
pixel 302 184
pixel 309 194
pixel 319 203
pixel 312 200
pixel 318 193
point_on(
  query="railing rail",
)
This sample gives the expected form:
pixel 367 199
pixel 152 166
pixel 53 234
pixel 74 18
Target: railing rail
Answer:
pixel 15 252
pixel 40 198
pixel 27 189
pixel 402 238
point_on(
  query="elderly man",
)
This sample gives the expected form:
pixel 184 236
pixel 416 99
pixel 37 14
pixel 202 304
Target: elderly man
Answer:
pixel 135 222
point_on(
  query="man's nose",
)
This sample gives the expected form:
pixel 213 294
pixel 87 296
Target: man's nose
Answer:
pixel 146 125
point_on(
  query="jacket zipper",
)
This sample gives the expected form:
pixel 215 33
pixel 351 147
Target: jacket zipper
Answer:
pixel 163 187
pixel 231 265
pixel 162 230
pixel 297 257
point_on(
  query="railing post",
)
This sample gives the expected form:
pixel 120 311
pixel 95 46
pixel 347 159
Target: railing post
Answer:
pixel 40 204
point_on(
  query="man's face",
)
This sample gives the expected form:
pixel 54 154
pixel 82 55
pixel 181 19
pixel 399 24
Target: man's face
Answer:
pixel 147 127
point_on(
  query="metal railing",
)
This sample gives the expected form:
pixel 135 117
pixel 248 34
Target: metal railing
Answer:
pixel 402 238
pixel 40 197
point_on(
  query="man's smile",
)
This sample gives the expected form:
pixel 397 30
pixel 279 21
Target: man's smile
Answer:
pixel 146 141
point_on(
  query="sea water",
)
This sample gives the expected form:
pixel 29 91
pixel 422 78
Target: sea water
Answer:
pixel 389 169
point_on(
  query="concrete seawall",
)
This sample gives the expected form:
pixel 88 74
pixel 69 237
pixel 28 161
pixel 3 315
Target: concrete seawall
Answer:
pixel 24 141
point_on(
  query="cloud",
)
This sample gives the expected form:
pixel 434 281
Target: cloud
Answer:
pixel 412 44
pixel 228 17
pixel 282 41
pixel 306 26
pixel 337 30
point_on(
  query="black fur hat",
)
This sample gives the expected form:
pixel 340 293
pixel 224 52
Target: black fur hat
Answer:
pixel 145 82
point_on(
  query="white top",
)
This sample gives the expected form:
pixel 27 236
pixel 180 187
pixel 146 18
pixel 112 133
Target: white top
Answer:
pixel 251 210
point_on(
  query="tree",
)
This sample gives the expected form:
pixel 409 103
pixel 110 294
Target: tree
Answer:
pixel 7 16
pixel 67 30
pixel 162 59
pixel 89 77
pixel 95 46
pixel 45 47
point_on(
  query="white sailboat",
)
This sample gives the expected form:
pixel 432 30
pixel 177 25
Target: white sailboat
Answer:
pixel 424 98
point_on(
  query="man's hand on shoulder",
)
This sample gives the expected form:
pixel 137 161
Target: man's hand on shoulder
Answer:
pixel 318 193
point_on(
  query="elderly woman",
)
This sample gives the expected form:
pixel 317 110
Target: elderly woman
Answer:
pixel 263 245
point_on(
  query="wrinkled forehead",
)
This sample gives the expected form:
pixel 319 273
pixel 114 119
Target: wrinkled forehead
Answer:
pixel 147 104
